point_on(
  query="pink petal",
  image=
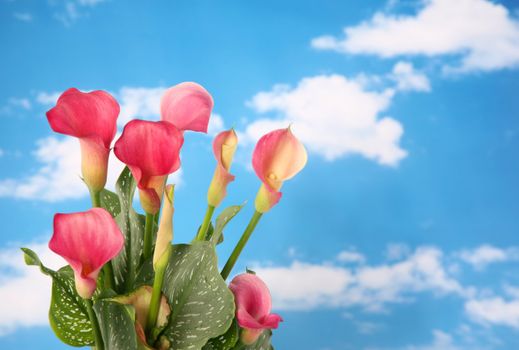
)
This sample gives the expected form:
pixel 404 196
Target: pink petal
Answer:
pixel 188 106
pixel 253 302
pixel 90 115
pixel 87 241
pixel 278 156
pixel 149 149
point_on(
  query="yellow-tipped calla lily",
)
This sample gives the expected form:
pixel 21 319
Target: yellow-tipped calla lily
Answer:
pixel 224 146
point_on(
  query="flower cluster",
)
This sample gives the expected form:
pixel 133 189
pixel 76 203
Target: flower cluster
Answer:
pixel 127 286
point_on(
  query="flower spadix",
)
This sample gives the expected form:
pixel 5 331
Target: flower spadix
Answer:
pixel 151 151
pixel 92 118
pixel 253 306
pixel 278 156
pixel 165 232
pixel 188 106
pixel 87 241
pixel 224 146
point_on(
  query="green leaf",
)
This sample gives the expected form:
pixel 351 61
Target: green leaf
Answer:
pixel 110 201
pixel 225 341
pixel 68 316
pixel 222 220
pixel 131 224
pixel 117 325
pixel 202 306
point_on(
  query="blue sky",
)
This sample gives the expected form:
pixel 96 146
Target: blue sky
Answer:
pixel 402 231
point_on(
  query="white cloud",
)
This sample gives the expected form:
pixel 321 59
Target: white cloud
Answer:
pixel 23 16
pixel 396 251
pixel 408 79
pixel 494 310
pixel 334 117
pixel 139 102
pixel 302 286
pixel 26 285
pixel 484 35
pixel 486 254
pixel 351 256
pixel 47 98
pixel 70 11
pixel 216 124
pixel 59 175
pixel 441 341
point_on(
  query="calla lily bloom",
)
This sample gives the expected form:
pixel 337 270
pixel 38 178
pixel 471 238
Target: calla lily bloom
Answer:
pixel 278 156
pixel 188 106
pixel 151 151
pixel 87 241
pixel 165 232
pixel 253 305
pixel 224 146
pixel 91 117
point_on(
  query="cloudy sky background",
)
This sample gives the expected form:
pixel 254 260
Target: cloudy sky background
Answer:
pixel 402 231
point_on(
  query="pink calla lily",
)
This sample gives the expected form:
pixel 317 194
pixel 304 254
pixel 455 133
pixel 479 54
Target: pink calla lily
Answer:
pixel 87 241
pixel 224 146
pixel 151 151
pixel 92 118
pixel 278 156
pixel 188 106
pixel 253 306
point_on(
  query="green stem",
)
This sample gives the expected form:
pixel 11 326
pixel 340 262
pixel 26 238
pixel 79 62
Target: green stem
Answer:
pixel 241 243
pixel 95 326
pixel 153 312
pixel 148 236
pixel 108 271
pixel 205 225
pixel 95 196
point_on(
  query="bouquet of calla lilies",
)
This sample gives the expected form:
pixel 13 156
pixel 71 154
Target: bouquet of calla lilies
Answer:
pixel 127 286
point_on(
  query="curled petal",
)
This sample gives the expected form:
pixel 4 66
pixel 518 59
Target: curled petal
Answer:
pixel 188 106
pixel 87 241
pixel 224 147
pixel 165 232
pixel 85 115
pixel 278 156
pixel 91 117
pixel 152 151
pixel 253 303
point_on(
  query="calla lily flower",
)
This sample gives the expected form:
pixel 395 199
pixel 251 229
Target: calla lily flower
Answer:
pixel 91 117
pixel 278 156
pixel 87 241
pixel 253 305
pixel 165 232
pixel 188 106
pixel 151 151
pixel 224 146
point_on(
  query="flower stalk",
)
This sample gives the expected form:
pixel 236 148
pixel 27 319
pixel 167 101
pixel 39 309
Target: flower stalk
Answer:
pixel 95 325
pixel 148 236
pixel 205 224
pixel 241 244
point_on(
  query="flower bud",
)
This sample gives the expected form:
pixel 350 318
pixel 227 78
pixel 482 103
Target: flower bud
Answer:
pixel 224 146
pixel 165 232
pixel 278 156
